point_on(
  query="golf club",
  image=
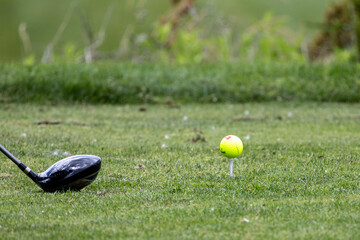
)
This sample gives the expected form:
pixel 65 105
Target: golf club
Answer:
pixel 71 173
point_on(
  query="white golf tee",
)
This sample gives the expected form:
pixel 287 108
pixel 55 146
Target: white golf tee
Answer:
pixel 231 161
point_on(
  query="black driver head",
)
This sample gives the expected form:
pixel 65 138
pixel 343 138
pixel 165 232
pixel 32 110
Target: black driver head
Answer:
pixel 72 173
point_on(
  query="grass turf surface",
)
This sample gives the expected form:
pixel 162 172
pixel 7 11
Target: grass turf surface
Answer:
pixel 297 178
pixel 126 83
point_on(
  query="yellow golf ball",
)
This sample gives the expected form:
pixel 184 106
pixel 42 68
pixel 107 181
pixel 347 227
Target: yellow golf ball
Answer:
pixel 231 146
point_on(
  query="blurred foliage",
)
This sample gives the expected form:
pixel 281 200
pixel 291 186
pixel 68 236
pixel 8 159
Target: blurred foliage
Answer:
pixel 202 34
pixel 338 32
pixel 356 4
pixel 190 47
pixel 269 40
pixel 196 32
pixel 183 37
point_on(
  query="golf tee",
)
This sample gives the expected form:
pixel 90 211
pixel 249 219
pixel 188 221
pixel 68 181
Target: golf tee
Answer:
pixel 231 161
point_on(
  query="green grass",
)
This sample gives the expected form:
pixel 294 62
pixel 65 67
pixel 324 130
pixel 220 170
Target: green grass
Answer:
pixel 298 177
pixel 154 83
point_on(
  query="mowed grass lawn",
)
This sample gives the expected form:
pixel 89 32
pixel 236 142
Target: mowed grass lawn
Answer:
pixel 298 176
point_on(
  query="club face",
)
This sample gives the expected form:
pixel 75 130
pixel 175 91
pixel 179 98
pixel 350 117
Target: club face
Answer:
pixel 72 173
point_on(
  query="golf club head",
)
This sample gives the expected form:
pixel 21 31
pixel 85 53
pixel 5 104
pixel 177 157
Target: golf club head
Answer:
pixel 72 173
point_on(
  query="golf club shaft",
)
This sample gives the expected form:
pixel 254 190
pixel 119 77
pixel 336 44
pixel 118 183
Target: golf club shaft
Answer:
pixel 22 166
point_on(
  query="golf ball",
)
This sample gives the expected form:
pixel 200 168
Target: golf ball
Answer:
pixel 231 146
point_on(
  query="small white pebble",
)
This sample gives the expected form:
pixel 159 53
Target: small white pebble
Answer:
pixel 247 137
pixel 24 135
pixel 66 154
pixel 185 118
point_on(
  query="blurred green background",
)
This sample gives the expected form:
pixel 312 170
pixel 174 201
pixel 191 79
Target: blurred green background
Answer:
pixel 43 17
